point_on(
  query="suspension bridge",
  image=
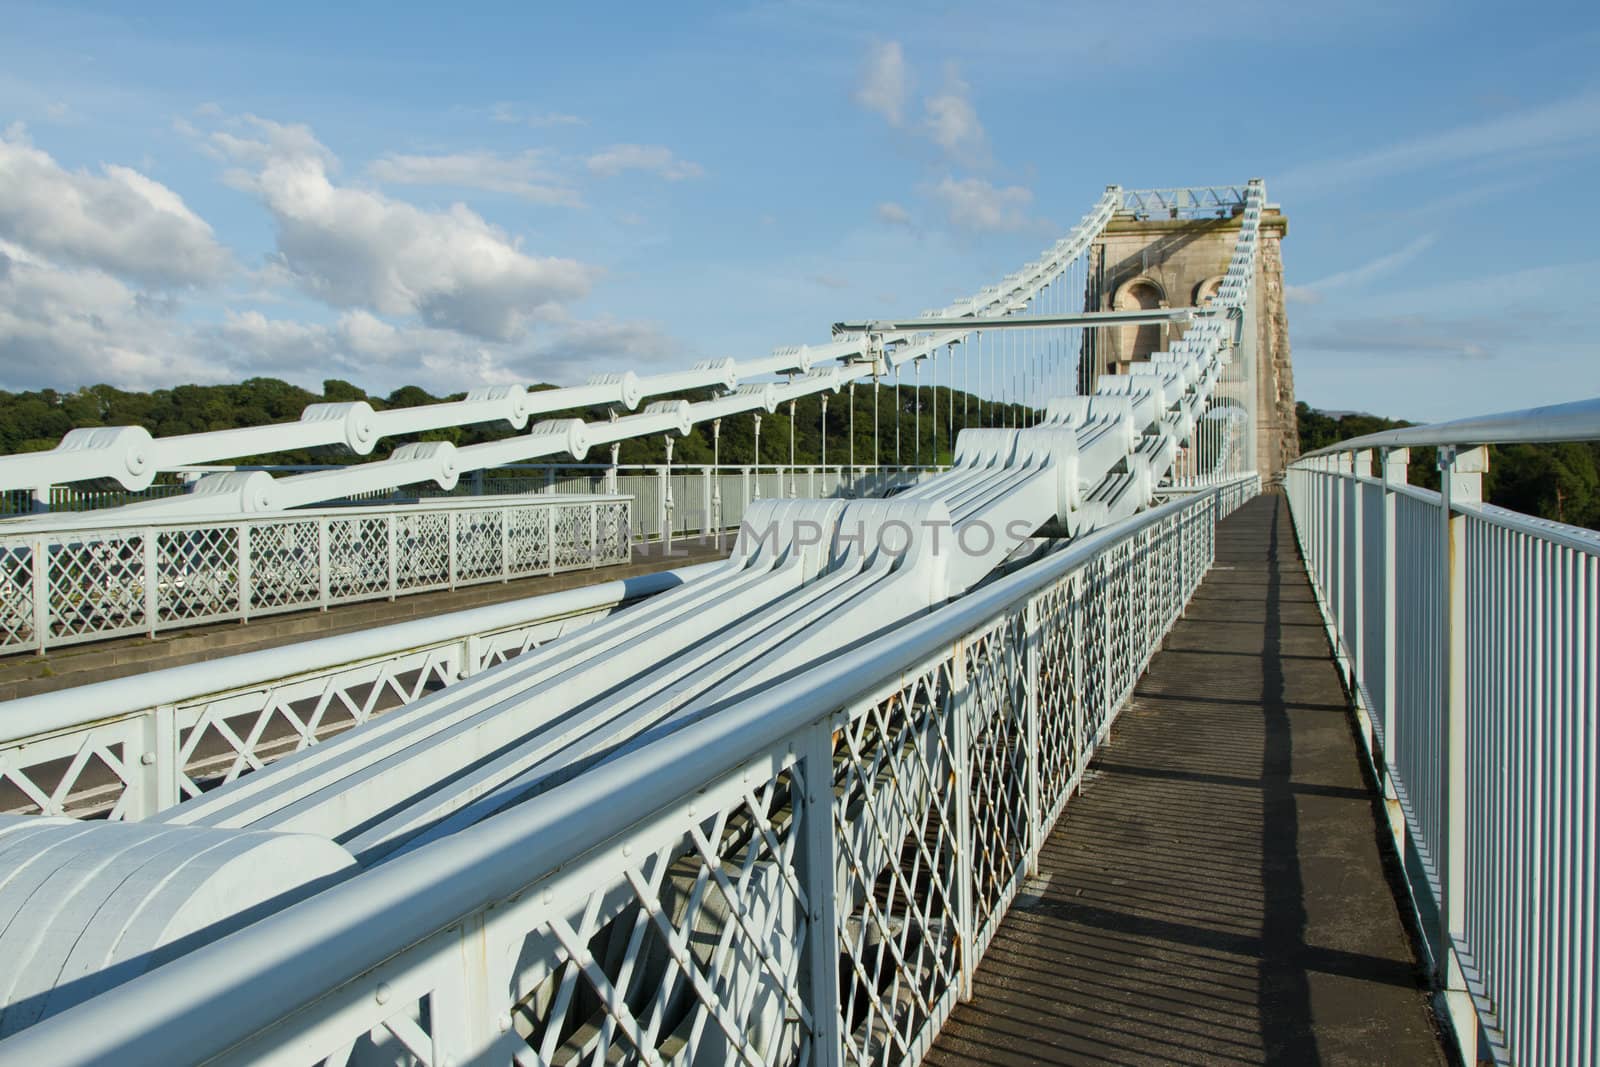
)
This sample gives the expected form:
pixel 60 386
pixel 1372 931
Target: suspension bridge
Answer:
pixel 1124 735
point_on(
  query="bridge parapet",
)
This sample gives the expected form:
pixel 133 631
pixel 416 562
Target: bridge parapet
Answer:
pixel 1468 637
pixel 72 579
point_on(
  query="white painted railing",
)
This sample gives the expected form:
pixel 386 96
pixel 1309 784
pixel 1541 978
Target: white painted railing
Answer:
pixel 1470 636
pixel 129 747
pixel 87 578
pixel 811 875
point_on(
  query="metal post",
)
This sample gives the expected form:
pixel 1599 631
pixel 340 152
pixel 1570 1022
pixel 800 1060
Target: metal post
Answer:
pixel 1394 472
pixel 961 783
pixel 394 556
pixel 322 562
pixel 152 583
pixel 666 500
pixel 594 535
pixel 1358 569
pixel 793 491
pixel 243 570
pixel 550 536
pixel 611 475
pixel 852 436
pixel 157 767
pixel 1460 482
pixel 1030 680
pixel 757 479
pixel 41 594
pixel 817 863
pixel 824 399
pixel 714 501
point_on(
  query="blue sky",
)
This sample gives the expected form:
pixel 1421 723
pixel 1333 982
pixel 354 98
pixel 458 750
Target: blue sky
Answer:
pixel 481 193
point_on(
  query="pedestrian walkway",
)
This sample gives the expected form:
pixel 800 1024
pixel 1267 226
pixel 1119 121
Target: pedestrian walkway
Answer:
pixel 1217 893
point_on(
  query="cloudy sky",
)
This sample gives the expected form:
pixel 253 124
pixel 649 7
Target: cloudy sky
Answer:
pixel 391 195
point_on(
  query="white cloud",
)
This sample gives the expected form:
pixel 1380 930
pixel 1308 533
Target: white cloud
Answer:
pixel 509 114
pixel 951 121
pixel 1313 292
pixel 893 214
pixel 68 326
pixel 118 221
pixel 1562 124
pixel 885 83
pixel 1407 336
pixel 980 206
pixel 357 248
pixel 523 175
pixel 655 159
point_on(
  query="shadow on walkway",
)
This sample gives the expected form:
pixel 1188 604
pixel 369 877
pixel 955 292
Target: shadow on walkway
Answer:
pixel 1216 894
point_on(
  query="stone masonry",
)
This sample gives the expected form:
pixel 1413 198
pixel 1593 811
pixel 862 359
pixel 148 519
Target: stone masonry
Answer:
pixel 1162 262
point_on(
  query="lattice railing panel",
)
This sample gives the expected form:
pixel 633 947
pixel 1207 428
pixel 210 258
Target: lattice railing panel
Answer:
pixel 573 530
pixel 612 539
pixel 684 946
pixel 895 827
pixel 283 566
pixel 95 584
pixel 422 550
pixel 93 773
pixel 358 557
pixel 479 545
pixel 995 703
pixel 1064 694
pixel 16 597
pixel 528 540
pixel 199 571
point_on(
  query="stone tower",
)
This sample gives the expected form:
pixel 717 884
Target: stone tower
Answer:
pixel 1145 262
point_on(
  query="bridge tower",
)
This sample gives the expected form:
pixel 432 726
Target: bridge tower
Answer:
pixel 1170 249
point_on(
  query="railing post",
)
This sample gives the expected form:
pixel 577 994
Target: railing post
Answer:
pixel 157 768
pixel 152 582
pixel 818 860
pixel 394 554
pixel 550 539
pixel 505 544
pixel 961 782
pixel 663 506
pixel 1395 464
pixel 1460 482
pixel 1361 468
pixel 322 562
pixel 1030 682
pixel 244 572
pixel 41 595
pixel 707 488
pixel 594 535
pixel 452 525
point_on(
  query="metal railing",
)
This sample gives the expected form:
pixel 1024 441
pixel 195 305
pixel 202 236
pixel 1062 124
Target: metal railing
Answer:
pixel 129 747
pixel 88 579
pixel 1470 637
pixel 808 875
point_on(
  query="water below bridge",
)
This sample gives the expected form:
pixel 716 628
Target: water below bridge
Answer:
pixel 1218 893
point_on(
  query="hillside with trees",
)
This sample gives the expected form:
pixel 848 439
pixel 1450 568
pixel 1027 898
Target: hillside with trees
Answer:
pixel 1559 481
pixel 34 421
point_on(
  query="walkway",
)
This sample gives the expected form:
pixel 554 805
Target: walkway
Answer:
pixel 1216 895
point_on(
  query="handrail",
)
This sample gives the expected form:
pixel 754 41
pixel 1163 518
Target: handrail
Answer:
pixel 113 519
pixel 221 994
pixel 1575 421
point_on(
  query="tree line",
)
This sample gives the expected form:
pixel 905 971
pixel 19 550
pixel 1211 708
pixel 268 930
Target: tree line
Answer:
pixel 35 421
pixel 1551 481
pixel 1556 481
